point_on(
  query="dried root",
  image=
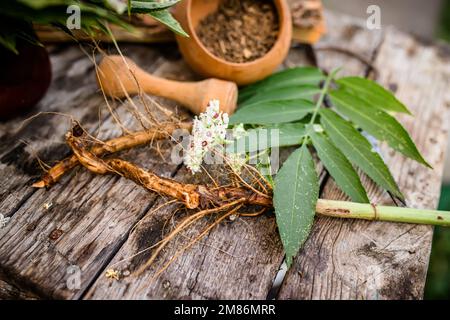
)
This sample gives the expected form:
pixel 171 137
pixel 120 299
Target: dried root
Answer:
pixel 186 223
pixel 203 233
pixel 114 145
pixel 183 192
pixel 193 196
pixel 212 200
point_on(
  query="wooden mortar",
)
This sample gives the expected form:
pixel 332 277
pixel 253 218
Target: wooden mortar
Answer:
pixel 190 12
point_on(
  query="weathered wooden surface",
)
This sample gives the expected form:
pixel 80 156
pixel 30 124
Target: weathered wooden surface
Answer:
pixel 96 222
pixel 246 262
pixel 85 231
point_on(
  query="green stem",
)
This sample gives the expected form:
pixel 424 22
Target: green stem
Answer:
pixel 323 93
pixel 344 209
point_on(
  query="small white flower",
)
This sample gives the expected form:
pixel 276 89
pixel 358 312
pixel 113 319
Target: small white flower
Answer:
pixel 3 221
pixel 208 131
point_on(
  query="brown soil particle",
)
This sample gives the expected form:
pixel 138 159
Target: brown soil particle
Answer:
pixel 240 31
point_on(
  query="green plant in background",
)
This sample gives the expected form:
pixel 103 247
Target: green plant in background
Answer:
pixel 336 130
pixel 443 30
pixel 438 278
pixel 17 16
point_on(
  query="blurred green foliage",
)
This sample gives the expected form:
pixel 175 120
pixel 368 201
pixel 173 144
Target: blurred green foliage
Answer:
pixel 443 31
pixel 438 279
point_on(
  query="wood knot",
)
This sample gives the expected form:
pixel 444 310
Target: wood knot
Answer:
pixel 55 234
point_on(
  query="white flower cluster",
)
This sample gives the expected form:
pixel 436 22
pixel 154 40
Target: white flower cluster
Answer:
pixel 3 221
pixel 209 134
pixel 208 131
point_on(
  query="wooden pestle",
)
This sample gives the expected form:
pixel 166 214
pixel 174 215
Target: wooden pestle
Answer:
pixel 119 76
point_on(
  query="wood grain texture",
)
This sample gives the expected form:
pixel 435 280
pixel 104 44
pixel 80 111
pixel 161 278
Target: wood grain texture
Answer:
pixel 237 260
pixel 90 216
pixel 95 222
pixel 375 260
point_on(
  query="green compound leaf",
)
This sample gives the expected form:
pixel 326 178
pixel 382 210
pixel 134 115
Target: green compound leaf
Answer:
pixel 149 6
pixel 169 21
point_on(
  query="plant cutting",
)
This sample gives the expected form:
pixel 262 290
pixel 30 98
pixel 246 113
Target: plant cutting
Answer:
pixel 335 116
pixel 336 131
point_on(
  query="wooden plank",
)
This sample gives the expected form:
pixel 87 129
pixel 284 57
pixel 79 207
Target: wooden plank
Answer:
pixel 347 33
pixel 238 260
pixel 89 216
pixel 374 260
pixel 73 92
pixel 17 159
pixel 10 292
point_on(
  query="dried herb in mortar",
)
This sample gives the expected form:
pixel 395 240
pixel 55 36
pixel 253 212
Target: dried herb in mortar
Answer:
pixel 240 31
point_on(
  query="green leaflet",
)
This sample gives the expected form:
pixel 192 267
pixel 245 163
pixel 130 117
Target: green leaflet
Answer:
pixel 289 77
pixel 117 5
pixel 288 134
pixel 273 112
pixel 376 122
pixel 146 6
pixel 9 42
pixel 168 20
pixel 372 93
pixel 358 150
pixel 296 192
pixel 339 167
pixel 284 93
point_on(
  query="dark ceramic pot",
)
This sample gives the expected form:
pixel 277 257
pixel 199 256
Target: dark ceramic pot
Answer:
pixel 24 79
